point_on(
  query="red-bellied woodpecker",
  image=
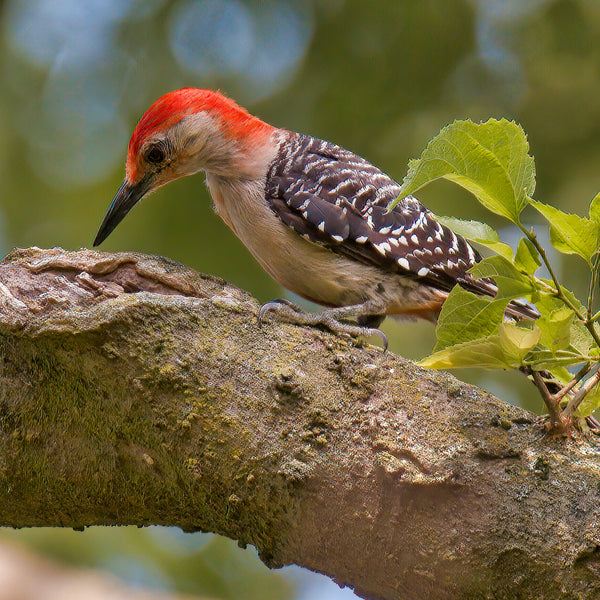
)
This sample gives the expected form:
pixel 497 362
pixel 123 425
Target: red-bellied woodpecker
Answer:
pixel 315 216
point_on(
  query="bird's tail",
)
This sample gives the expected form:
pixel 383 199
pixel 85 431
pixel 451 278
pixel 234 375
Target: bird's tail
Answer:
pixel 521 310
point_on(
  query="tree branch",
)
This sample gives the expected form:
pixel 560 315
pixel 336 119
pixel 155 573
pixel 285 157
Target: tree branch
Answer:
pixel 136 391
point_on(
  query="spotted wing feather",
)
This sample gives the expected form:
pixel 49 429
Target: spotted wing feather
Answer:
pixel 334 198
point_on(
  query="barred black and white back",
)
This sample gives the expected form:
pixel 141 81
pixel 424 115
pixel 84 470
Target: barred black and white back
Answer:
pixel 335 198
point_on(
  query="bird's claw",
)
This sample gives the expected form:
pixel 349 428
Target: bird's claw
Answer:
pixel 274 305
pixel 355 331
pixel 296 315
pixel 264 309
pixel 382 337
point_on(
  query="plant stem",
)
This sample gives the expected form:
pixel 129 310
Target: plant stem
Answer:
pixel 549 401
pixel 576 379
pixel 592 289
pixel 581 393
pixel 533 239
pixel 558 289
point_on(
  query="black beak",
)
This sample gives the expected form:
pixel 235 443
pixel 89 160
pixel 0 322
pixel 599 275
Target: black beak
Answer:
pixel 122 203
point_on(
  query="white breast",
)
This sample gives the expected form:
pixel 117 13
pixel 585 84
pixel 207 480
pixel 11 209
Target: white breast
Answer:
pixel 300 266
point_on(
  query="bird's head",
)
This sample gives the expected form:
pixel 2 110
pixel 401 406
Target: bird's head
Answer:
pixel 184 132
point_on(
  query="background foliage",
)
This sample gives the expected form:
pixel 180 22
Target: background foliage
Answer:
pixel 378 78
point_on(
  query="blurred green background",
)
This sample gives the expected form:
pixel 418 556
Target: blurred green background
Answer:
pixel 379 78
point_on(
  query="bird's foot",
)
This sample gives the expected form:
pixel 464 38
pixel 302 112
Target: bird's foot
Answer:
pixel 327 318
pixel 280 305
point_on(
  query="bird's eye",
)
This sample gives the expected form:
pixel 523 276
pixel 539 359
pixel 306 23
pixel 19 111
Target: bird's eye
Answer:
pixel 155 155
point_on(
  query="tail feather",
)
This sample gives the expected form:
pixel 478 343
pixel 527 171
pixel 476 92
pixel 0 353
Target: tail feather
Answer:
pixel 522 310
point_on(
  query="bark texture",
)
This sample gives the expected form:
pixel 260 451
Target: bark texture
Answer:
pixel 136 391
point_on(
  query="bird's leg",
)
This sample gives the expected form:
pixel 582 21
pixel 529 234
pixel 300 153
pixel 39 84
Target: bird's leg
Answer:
pixel 368 316
pixel 370 320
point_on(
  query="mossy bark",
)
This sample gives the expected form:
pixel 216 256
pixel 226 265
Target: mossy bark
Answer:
pixel 136 391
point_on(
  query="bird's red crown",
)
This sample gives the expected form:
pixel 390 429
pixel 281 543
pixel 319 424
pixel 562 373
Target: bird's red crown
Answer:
pixel 174 106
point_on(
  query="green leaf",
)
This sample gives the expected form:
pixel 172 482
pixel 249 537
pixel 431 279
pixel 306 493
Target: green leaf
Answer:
pixel 498 247
pixel 485 352
pixel 527 258
pixel 566 292
pixel 491 160
pixel 511 282
pixel 581 339
pixel 571 234
pixel 466 316
pixel 562 374
pixel 545 360
pixel 547 303
pixel 554 319
pixel 595 208
pixel 517 341
pixel 556 329
pixel 480 233
pixel 555 322
pixel 472 230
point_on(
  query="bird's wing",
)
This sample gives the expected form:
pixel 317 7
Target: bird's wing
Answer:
pixel 334 198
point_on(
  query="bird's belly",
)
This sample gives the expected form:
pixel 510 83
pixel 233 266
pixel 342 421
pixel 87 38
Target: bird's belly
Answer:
pixel 333 280
pixel 323 278
pixel 310 271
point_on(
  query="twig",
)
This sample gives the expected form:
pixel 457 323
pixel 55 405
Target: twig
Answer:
pixel 592 288
pixel 576 379
pixel 540 249
pixel 581 393
pixel 549 401
pixel 558 291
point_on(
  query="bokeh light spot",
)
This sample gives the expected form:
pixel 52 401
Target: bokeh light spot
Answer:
pixel 212 36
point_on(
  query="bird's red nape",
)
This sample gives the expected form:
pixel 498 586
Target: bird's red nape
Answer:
pixel 174 106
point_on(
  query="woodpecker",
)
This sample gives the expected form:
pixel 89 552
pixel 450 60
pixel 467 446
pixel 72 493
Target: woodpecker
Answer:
pixel 314 215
